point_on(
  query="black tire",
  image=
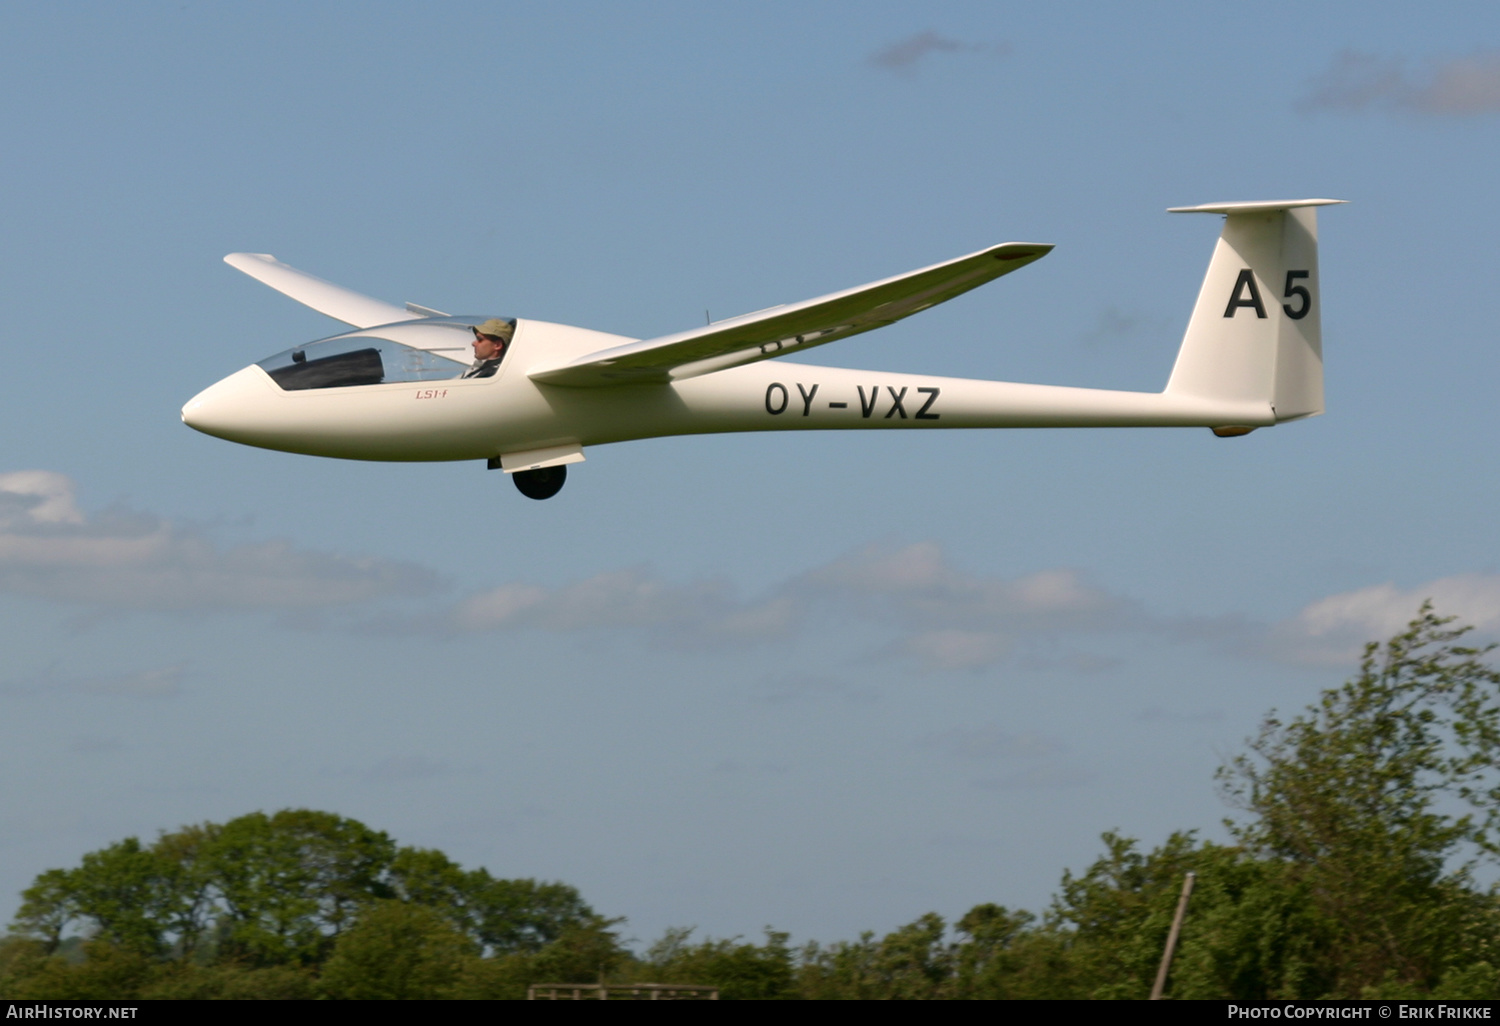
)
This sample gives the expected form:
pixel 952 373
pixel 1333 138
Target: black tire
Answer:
pixel 542 483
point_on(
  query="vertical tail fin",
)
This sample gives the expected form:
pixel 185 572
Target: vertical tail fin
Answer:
pixel 1256 331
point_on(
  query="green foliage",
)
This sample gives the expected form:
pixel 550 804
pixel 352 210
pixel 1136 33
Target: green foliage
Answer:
pixel 1249 934
pixel 504 978
pixel 1351 875
pixel 397 951
pixel 527 915
pixel 46 909
pixel 107 971
pixel 1008 957
pixel 1371 760
pixel 232 982
pixel 20 959
pixel 741 971
pixel 584 953
pixel 1246 936
pixel 290 883
pixel 587 952
pixel 265 906
pixel 1120 910
pixel 913 962
pixel 1368 798
pixel 504 916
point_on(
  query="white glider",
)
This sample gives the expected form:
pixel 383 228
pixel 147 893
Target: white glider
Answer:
pixel 393 388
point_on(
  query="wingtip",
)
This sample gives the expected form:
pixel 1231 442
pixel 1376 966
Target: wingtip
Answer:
pixel 1022 250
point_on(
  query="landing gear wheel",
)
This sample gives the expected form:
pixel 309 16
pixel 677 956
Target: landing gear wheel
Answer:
pixel 542 483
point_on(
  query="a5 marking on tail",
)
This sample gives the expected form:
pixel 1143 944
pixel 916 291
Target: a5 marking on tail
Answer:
pixel 1256 330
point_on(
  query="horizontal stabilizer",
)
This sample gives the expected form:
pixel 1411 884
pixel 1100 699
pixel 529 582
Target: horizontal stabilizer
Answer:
pixel 1257 207
pixel 323 296
pixel 793 327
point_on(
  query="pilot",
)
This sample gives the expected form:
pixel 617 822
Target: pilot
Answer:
pixel 490 340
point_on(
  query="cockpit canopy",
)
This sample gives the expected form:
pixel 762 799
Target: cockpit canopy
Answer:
pixel 432 349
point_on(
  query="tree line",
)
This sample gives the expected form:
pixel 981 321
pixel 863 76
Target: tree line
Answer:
pixel 1365 822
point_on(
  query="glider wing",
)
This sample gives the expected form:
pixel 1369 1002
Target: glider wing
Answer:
pixel 323 296
pixel 784 329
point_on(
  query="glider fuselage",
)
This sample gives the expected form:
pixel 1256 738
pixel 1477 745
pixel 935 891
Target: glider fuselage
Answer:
pixel 450 418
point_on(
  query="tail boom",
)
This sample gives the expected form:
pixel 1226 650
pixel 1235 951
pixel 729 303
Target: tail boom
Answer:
pixel 801 397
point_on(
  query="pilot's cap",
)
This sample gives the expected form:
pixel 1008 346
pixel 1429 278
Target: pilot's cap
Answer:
pixel 497 328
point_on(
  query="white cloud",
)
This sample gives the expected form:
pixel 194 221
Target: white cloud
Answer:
pixel 990 743
pixel 916 587
pixel 932 615
pixel 160 683
pixel 94 744
pixel 903 55
pixel 781 689
pixel 1156 714
pixel 1465 85
pixel 38 497
pixel 397 769
pixel 690 615
pixel 1114 324
pixel 124 560
pixel 163 682
pixel 1334 630
pixel 1022 761
pixel 956 649
pixel 1044 776
pixel 913 569
pixel 1456 86
pixel 935 616
pixel 942 619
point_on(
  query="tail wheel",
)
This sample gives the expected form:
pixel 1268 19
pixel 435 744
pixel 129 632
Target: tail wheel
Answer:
pixel 542 483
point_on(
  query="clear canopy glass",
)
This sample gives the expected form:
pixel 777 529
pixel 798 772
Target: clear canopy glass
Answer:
pixel 426 350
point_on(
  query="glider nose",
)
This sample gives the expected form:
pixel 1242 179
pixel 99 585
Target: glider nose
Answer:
pixel 232 409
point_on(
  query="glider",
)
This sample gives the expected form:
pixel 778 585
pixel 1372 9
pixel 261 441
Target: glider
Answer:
pixel 394 388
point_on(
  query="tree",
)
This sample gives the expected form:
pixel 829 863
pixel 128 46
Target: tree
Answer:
pixel 188 851
pixel 107 971
pixel 46 909
pixel 126 892
pixel 1118 912
pixel 1007 955
pixel 262 892
pixel 587 952
pixel 740 970
pixel 502 916
pixel 397 951
pixel 1378 800
pixel 526 915
pixel 911 962
pixel 291 882
pixel 233 982
pixel 1247 934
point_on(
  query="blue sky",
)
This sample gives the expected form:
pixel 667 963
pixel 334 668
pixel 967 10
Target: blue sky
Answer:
pixel 829 682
